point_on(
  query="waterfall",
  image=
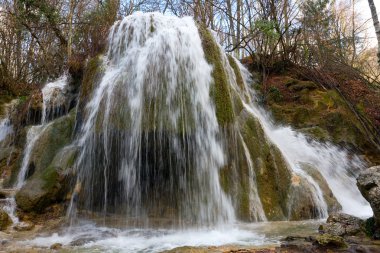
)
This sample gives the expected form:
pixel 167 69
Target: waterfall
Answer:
pixel 256 207
pixel 336 165
pixel 5 128
pixel 149 145
pixel 152 152
pixel 53 97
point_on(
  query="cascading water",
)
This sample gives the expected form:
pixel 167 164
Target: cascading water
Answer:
pixel 151 148
pixel 53 97
pixel 256 207
pixel 5 128
pixel 149 143
pixel 337 167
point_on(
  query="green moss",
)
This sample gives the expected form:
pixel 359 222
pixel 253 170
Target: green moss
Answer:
pixel 321 114
pixel 53 138
pixel 303 85
pixel 50 178
pixel 316 132
pixel 224 178
pixel 361 108
pixel 219 90
pixel 301 115
pixel 275 94
pixel 235 67
pixel 91 75
pixel 272 174
pixel 288 81
pixel 331 240
pixel 5 220
pixel 47 185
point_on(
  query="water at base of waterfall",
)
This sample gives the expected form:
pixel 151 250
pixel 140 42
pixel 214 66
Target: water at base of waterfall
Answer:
pixel 90 237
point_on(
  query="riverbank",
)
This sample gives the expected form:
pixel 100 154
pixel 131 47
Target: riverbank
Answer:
pixel 87 236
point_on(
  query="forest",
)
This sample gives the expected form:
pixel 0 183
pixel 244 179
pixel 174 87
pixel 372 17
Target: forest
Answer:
pixel 39 39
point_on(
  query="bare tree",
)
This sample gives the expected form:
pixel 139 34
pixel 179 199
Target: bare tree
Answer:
pixel 376 24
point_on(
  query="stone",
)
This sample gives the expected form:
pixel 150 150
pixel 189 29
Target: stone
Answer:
pixel 342 224
pixel 368 183
pixel 56 246
pixel 328 240
pixel 6 193
pixel 49 183
pixel 24 226
pixel 5 220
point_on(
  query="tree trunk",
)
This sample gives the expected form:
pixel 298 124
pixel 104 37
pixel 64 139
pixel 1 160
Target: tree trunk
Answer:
pixel 70 35
pixel 376 24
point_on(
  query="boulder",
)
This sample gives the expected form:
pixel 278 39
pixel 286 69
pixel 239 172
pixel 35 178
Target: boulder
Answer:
pixel 49 183
pixel 368 183
pixel 342 224
pixel 328 240
pixel 24 226
pixel 56 246
pixel 5 220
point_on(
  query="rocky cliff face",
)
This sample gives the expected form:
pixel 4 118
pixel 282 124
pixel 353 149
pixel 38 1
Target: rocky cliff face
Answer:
pixel 255 176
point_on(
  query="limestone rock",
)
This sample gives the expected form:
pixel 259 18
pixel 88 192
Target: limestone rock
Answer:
pixel 24 226
pixel 5 220
pixel 342 224
pixel 328 240
pixel 48 184
pixel 369 185
pixel 56 246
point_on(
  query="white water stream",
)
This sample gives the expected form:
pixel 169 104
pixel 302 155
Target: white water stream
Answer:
pixel 337 166
pixel 53 95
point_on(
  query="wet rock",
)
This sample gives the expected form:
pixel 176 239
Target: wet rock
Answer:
pixel 81 241
pixel 273 176
pixel 328 240
pixel 368 183
pixel 3 195
pixel 5 220
pixel 332 203
pixel 56 246
pixel 49 183
pixel 301 203
pixel 24 226
pixel 6 193
pixel 342 224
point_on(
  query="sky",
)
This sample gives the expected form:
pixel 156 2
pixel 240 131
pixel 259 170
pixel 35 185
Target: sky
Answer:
pixel 363 7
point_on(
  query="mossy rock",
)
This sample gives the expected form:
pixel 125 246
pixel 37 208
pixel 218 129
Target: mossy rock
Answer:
pixel 272 173
pixel 48 183
pixel 53 137
pixel 301 204
pixel 316 132
pixel 327 240
pixel 10 165
pixel 320 114
pixel 331 201
pixel 92 73
pixel 41 190
pixel 235 67
pixel 5 220
pixel 220 89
